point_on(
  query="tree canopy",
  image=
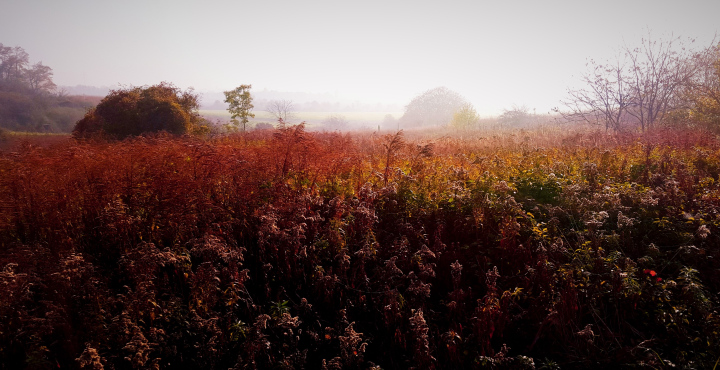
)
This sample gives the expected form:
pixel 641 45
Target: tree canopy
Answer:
pixel 138 110
pixel 241 105
pixel 29 100
pixel 435 107
pixel 465 117
pixel 17 75
pixel 702 94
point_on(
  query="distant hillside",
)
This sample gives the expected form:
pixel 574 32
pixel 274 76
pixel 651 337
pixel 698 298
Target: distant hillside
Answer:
pixel 29 99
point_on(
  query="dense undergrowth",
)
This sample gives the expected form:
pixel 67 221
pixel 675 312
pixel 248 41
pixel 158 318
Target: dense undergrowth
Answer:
pixel 298 250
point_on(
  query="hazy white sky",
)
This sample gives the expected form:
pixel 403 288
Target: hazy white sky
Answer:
pixel 495 53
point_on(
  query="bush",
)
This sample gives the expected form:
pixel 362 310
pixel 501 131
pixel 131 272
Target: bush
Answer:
pixel 139 110
pixel 335 122
pixel 264 126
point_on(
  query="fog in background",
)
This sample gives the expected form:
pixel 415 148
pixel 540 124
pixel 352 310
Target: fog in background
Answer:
pixel 366 53
pixel 301 101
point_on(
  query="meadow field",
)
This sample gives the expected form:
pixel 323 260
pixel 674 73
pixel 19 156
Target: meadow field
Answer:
pixel 11 139
pixel 536 249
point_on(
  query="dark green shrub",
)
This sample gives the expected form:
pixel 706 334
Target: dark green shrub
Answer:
pixel 139 110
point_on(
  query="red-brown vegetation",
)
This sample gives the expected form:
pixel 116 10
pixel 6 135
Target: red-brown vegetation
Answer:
pixel 290 249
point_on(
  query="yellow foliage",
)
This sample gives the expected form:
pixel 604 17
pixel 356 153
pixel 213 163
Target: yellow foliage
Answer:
pixel 465 117
pixel 704 96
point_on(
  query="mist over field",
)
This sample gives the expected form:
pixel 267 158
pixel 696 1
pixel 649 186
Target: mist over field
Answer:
pixel 336 58
pixel 495 54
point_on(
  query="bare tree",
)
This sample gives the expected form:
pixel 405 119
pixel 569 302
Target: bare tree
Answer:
pixel 658 70
pixel 639 87
pixel 282 110
pixel 604 100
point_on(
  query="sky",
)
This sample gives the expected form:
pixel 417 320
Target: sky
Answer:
pixel 497 54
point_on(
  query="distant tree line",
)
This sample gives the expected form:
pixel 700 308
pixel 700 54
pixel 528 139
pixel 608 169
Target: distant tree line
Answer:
pixel 29 99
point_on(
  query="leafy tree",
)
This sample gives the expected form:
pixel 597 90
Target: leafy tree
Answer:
pixel 466 117
pixel 39 78
pixel 16 76
pixel 13 64
pixel 138 110
pixel 241 105
pixel 29 100
pixel 434 107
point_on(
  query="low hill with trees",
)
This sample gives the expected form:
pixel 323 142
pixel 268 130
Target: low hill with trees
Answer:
pixel 29 99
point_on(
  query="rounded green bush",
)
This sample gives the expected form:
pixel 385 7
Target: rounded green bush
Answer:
pixel 138 110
